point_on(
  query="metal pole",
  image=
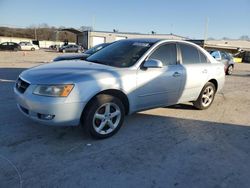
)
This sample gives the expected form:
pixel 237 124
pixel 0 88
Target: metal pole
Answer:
pixel 93 22
pixel 35 35
pixel 206 29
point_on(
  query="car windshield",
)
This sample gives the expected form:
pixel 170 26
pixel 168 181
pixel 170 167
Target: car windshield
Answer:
pixel 96 48
pixel 124 53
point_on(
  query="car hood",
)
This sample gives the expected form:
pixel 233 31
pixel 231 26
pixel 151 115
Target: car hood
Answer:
pixel 65 72
pixel 70 57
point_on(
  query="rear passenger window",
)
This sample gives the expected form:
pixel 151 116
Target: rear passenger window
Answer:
pixel 190 54
pixel 203 58
pixel 165 53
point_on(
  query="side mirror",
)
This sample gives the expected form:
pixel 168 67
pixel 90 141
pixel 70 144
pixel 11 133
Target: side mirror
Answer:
pixel 153 63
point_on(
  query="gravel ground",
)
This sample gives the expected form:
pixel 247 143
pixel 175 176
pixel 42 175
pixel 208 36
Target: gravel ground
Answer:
pixel 176 146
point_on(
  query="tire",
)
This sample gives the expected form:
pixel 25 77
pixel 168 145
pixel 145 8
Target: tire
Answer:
pixel 32 49
pixel 206 97
pixel 97 118
pixel 229 70
pixel 63 51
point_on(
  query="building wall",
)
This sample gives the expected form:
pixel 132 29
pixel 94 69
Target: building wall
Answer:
pixel 14 39
pixel 42 44
pixel 91 38
pixel 230 44
pixel 47 44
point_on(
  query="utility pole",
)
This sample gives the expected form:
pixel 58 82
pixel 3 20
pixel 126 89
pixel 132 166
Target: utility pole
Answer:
pixel 93 22
pixel 35 34
pixel 206 29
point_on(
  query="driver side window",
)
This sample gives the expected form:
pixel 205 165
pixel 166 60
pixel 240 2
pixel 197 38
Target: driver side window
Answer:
pixel 166 54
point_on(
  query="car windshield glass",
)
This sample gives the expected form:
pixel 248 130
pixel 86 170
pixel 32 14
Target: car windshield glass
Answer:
pixel 124 53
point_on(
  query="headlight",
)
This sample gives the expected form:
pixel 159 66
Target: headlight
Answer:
pixel 53 90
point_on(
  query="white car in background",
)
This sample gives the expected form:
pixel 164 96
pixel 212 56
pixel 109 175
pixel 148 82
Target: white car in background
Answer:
pixel 28 46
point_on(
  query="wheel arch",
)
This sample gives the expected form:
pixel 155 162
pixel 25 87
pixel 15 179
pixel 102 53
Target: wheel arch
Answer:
pixel 215 82
pixel 113 92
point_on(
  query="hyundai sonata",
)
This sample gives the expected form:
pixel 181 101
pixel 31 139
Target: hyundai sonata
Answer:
pixel 125 77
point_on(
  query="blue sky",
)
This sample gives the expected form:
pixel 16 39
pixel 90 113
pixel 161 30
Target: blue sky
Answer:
pixel 227 18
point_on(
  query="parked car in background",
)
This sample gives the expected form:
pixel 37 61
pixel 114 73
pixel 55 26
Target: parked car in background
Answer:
pixel 71 48
pixel 225 58
pixel 28 46
pixel 125 77
pixel 54 47
pixel 11 46
pixel 84 55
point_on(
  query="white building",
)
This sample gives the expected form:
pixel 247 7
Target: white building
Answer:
pixel 91 38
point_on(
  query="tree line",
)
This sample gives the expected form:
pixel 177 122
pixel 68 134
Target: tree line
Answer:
pixel 38 33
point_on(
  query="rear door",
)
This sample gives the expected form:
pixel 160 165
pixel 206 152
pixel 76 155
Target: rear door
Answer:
pixel 75 48
pixel 196 71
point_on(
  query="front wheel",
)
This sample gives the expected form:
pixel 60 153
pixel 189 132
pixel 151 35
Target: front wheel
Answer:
pixel 104 116
pixel 206 97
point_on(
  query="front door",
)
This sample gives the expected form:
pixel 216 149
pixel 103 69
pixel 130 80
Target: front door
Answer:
pixel 160 86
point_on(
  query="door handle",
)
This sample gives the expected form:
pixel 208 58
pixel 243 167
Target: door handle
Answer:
pixel 176 74
pixel 204 71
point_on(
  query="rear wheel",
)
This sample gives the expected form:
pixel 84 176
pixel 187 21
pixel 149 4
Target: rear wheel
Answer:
pixel 32 49
pixel 229 70
pixel 206 97
pixel 104 116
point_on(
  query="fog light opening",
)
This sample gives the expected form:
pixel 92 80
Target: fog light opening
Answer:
pixel 45 116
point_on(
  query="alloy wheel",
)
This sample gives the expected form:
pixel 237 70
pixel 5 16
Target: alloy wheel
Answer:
pixel 106 118
pixel 207 96
pixel 230 69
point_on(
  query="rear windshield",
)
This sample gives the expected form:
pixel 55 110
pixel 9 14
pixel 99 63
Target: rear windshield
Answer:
pixel 124 53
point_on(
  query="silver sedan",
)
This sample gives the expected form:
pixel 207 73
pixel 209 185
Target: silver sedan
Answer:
pixel 126 77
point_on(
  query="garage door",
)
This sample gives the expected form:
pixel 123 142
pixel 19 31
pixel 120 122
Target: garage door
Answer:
pixel 98 40
pixel 120 38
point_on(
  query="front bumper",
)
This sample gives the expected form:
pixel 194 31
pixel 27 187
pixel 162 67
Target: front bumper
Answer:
pixel 65 113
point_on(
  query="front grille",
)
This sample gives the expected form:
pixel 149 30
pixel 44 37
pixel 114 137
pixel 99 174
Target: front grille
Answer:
pixel 21 85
